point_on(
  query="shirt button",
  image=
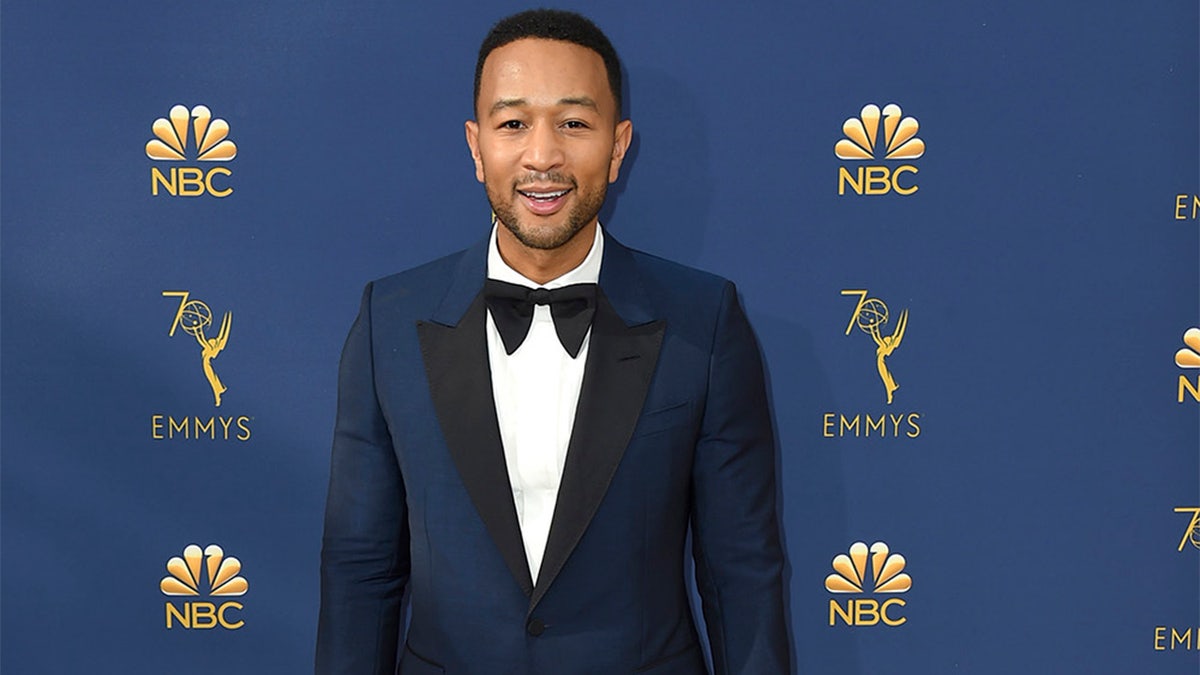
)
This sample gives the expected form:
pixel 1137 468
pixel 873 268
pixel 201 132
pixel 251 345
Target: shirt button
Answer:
pixel 535 627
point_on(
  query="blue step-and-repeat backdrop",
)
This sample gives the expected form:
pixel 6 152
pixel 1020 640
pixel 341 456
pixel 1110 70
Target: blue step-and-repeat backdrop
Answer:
pixel 966 235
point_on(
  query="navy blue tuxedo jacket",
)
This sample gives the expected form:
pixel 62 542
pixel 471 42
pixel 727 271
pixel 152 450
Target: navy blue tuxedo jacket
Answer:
pixel 672 429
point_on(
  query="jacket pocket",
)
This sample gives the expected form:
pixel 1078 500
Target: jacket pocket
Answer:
pixel 412 663
pixel 667 417
pixel 687 662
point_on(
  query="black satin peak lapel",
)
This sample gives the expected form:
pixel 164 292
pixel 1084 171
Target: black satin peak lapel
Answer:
pixel 620 365
pixel 460 382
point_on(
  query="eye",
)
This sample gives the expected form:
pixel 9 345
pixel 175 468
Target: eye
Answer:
pixel 511 124
pixel 575 124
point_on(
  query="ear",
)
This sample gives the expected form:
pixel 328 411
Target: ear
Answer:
pixel 471 127
pixel 622 137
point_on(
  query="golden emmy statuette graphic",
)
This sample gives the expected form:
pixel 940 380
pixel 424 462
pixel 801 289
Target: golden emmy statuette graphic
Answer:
pixel 193 316
pixel 869 315
pixel 1192 533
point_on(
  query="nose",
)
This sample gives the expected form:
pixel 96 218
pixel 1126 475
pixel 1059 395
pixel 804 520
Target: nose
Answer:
pixel 544 150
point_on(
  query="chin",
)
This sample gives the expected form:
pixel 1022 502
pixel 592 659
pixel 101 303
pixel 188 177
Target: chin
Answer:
pixel 548 238
pixel 543 237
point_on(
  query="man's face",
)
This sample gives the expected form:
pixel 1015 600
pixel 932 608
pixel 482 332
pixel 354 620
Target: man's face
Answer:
pixel 547 142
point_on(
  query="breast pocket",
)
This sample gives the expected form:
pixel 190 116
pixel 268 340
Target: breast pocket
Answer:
pixel 663 419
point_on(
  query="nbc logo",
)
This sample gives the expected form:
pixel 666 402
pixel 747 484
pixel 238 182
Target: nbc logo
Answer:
pixel 1189 357
pixel 880 135
pixel 222 578
pixel 887 575
pixel 195 133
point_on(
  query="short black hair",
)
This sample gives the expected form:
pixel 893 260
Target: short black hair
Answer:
pixel 552 24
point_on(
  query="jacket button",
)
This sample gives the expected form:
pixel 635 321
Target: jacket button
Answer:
pixel 535 627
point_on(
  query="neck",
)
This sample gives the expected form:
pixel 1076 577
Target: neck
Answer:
pixel 543 265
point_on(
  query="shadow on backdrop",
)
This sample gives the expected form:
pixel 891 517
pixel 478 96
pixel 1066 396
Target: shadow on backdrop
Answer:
pixel 672 155
pixel 812 491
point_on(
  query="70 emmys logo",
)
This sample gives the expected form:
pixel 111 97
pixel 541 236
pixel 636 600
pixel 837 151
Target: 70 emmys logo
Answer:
pixel 193 317
pixel 864 141
pixel 207 143
pixel 870 315
pixel 1192 533
pixel 185 580
pixel 1172 638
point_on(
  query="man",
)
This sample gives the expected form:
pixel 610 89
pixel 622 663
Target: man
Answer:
pixel 527 464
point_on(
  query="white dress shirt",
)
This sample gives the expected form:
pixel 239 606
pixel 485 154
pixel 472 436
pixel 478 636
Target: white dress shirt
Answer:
pixel 536 390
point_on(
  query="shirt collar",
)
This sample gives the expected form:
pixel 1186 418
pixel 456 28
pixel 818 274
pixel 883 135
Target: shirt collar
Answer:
pixel 588 271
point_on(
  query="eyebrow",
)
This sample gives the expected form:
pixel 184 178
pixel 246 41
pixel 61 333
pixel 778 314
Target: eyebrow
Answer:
pixel 584 101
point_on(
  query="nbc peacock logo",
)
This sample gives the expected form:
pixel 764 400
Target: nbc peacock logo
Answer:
pixel 850 576
pixel 876 134
pixel 204 573
pixel 185 135
pixel 1189 357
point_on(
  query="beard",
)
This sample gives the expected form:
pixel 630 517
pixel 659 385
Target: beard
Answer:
pixel 534 232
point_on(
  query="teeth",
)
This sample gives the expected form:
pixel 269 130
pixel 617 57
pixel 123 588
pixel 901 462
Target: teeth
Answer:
pixel 545 195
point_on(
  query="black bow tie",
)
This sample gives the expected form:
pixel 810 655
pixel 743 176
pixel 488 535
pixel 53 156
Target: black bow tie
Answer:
pixel 572 308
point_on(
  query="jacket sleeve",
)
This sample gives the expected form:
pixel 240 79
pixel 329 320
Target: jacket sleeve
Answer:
pixel 364 552
pixel 735 530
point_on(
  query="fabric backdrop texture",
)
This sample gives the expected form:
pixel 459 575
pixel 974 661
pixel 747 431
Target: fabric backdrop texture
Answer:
pixel 965 234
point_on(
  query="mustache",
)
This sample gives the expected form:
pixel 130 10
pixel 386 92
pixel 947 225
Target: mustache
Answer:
pixel 535 177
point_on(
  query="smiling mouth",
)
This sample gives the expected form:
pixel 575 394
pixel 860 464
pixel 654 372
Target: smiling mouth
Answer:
pixel 548 196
